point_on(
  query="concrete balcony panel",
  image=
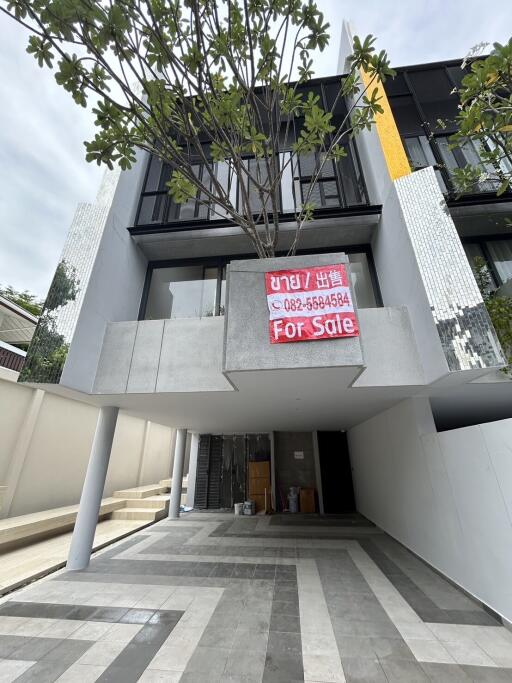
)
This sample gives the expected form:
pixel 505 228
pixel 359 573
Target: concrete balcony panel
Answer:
pixel 247 345
pixel 191 357
pixel 149 356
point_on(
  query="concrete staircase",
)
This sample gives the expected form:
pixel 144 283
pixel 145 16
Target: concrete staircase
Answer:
pixel 147 503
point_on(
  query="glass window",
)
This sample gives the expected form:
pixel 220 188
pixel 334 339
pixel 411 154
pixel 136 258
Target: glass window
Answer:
pixel 199 291
pixel 474 250
pixel 459 157
pixel 406 115
pixel 362 281
pixel 501 254
pixel 433 89
pixel 182 292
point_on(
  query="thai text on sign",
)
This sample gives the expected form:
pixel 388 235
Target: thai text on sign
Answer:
pixel 309 304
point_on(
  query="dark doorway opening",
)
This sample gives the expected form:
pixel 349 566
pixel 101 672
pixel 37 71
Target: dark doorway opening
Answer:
pixel 222 468
pixel 336 473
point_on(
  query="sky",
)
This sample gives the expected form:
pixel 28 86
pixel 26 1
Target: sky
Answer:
pixel 43 172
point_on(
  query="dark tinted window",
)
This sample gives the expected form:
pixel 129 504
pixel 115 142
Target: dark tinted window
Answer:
pixel 406 115
pixel 433 89
pixel 396 86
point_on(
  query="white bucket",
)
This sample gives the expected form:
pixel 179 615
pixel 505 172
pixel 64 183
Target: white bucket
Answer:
pixel 239 509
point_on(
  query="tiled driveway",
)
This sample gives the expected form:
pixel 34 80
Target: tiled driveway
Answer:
pixel 276 599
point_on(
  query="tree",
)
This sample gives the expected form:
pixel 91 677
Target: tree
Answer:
pixel 26 300
pixel 499 308
pixel 203 83
pixel 48 349
pixel 485 119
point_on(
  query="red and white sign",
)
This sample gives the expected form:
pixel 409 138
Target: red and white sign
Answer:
pixel 309 304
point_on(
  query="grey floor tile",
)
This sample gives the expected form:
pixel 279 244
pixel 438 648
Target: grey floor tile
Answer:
pixel 445 673
pixel 68 651
pixel 393 648
pixel 218 637
pixel 288 593
pixel 280 667
pixel 152 634
pixel 285 623
pixel 197 677
pixel 245 663
pixel 246 639
pixel 255 621
pixel 284 643
pixel 359 670
pixel 286 607
pixel 355 647
pixel 43 672
pixel 368 629
pixel 10 644
pixel 486 674
pixel 402 671
pixel 112 614
pixel 135 655
pixel 165 617
pixel 136 616
pixel 120 674
pixel 208 660
pixel 35 649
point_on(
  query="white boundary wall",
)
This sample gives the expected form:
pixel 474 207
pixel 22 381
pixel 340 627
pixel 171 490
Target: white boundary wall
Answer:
pixel 45 441
pixel 447 496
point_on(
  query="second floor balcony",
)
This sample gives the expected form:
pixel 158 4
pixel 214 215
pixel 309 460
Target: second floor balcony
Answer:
pixel 340 186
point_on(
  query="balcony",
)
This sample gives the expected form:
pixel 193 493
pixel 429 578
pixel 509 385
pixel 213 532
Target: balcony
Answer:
pixel 340 188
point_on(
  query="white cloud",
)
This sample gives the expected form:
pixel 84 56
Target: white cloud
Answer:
pixel 43 171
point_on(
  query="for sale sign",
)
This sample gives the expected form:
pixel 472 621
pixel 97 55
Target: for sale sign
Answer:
pixel 310 303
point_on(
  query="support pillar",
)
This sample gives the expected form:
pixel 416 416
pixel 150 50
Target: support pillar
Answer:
pixel 90 500
pixel 177 473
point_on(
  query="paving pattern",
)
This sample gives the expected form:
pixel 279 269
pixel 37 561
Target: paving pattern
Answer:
pixel 213 597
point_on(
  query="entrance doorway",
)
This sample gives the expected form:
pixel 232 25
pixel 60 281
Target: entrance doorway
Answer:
pixel 336 473
pixel 222 469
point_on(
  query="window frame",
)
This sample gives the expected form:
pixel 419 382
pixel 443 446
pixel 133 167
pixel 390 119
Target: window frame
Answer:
pixel 220 262
pixel 481 241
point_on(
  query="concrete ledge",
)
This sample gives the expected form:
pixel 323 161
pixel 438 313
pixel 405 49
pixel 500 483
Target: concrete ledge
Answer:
pixel 24 527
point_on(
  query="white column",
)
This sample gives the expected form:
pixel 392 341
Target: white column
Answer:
pixel 192 469
pixel 90 500
pixel 318 472
pixel 177 473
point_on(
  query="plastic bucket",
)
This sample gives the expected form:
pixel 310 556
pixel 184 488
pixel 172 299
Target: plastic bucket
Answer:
pixel 239 508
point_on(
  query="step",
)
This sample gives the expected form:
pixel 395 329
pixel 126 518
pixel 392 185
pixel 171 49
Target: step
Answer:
pixel 151 502
pixel 140 492
pixel 168 482
pixel 141 514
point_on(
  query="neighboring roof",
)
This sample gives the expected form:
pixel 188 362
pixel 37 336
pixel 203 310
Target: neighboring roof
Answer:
pixel 16 324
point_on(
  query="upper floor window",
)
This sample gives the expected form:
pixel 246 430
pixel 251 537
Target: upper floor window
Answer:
pixel 425 107
pixel 340 184
pixel 497 255
pixel 190 291
pixel 198 290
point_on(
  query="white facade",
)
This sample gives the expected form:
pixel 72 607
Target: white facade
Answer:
pixel 427 354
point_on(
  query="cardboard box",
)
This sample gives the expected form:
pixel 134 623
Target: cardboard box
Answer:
pixel 307 500
pixel 259 469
